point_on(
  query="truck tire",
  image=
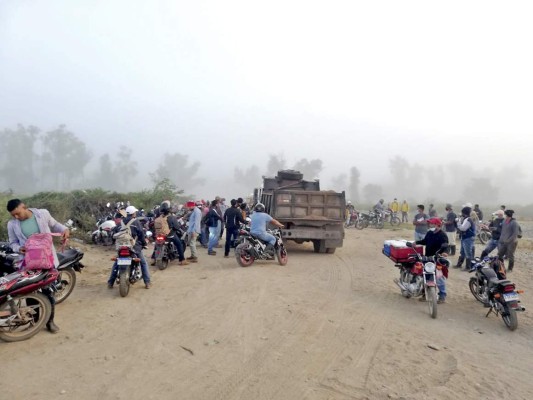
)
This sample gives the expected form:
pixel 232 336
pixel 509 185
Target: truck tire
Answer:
pixel 319 246
pixel 331 250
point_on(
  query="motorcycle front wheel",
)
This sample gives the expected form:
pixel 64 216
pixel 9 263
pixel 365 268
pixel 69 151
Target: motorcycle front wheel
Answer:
pixel 243 256
pixel 360 224
pixel 124 285
pixel 380 224
pixel 66 282
pixel 34 312
pixel 281 255
pixel 484 237
pixel 509 318
pixel 477 290
pixel 431 298
pixel 395 221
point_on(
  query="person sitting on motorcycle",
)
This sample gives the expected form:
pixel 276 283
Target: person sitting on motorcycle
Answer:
pixel 174 226
pixel 495 227
pixel 258 225
pixel 137 233
pixel 434 241
pixel 378 208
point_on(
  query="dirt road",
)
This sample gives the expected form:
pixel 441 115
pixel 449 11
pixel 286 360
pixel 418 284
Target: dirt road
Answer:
pixel 322 327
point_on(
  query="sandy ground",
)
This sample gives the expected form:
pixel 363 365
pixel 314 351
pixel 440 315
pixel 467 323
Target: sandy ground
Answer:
pixel 322 327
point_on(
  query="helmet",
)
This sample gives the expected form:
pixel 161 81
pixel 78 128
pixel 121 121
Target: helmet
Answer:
pixel 348 202
pixel 164 208
pixel 131 210
pixel 259 207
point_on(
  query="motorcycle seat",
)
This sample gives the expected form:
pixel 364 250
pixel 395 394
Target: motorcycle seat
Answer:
pixel 495 281
pixel 68 255
pixel 23 278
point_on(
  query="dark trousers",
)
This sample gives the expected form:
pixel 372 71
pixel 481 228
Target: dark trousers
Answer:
pixel 179 246
pixel 231 235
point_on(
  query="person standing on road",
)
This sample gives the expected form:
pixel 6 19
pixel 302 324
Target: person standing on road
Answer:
pixel 508 239
pixel 495 228
pixel 27 221
pixel 213 222
pixel 405 211
pixel 420 223
pixel 232 218
pixel 468 235
pixel 451 228
pixel 194 229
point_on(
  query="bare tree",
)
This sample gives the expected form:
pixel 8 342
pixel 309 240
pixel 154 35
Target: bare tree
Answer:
pixel 175 168
pixel 275 164
pixel 310 169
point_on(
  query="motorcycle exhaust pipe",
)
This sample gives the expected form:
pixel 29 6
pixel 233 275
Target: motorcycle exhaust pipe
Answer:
pixel 400 285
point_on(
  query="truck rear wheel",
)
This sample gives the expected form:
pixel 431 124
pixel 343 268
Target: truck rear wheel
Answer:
pixel 331 250
pixel 319 246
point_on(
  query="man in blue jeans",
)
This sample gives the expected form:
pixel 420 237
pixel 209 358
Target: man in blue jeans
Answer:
pixel 468 236
pixel 140 243
pixel 258 225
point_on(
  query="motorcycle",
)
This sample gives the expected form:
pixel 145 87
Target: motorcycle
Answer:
pixel 129 269
pixel 372 219
pixel 106 227
pixel 69 264
pixel 391 217
pixel 164 248
pixel 354 216
pixel 483 233
pixel 252 248
pixel 491 287
pixel 23 309
pixel 419 274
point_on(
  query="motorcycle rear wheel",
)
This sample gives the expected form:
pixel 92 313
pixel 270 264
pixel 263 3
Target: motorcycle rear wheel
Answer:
pixel 35 308
pixel 124 285
pixel 509 318
pixel 281 255
pixel 67 279
pixel 477 290
pixel 431 298
pixel 161 263
pixel 243 256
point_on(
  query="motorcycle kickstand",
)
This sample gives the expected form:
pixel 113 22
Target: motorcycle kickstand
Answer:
pixel 491 310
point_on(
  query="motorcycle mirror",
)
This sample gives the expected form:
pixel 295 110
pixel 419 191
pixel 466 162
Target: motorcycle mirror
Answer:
pixel 108 204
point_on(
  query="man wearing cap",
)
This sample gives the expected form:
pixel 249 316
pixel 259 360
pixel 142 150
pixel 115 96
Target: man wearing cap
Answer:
pixel 194 228
pixel 468 236
pixel 137 233
pixel 434 241
pixel 495 227
pixel 508 239
pixel 450 226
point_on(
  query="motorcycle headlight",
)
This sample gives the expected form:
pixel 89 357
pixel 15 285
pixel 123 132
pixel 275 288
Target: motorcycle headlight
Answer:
pixel 430 267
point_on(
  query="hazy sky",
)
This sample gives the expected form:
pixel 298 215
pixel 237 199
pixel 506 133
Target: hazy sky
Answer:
pixel 229 82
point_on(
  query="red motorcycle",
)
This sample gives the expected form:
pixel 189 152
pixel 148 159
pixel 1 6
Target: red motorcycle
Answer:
pixel 23 309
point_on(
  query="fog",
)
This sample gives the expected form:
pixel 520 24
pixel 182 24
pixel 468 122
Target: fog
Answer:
pixel 427 101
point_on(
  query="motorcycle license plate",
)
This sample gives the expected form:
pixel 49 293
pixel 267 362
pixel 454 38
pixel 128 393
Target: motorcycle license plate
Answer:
pixel 510 296
pixel 124 261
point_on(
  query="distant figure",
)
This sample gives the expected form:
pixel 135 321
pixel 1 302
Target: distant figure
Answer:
pixel 502 207
pixel 395 206
pixel 450 225
pixel 478 212
pixel 508 239
pixel 420 223
pixel 379 206
pixel 432 212
pixel 405 211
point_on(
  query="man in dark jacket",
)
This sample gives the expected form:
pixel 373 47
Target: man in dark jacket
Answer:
pixel 232 219
pixel 434 241
pixel 174 226
pixel 508 239
pixel 495 228
pixel 137 233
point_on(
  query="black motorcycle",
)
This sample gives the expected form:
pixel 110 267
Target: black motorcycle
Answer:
pixel 491 287
pixel 165 250
pixel 129 269
pixel 251 248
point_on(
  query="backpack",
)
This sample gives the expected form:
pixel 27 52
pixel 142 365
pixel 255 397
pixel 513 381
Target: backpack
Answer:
pixel 123 237
pixel 161 225
pixel 39 251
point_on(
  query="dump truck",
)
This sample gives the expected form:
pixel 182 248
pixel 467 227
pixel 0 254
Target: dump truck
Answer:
pixel 308 213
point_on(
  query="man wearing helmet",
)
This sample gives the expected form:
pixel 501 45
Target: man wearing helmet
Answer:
pixel 258 226
pixel 434 241
pixel 379 206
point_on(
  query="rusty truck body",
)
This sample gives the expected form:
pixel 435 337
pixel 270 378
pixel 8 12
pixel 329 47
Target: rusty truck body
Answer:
pixel 308 213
